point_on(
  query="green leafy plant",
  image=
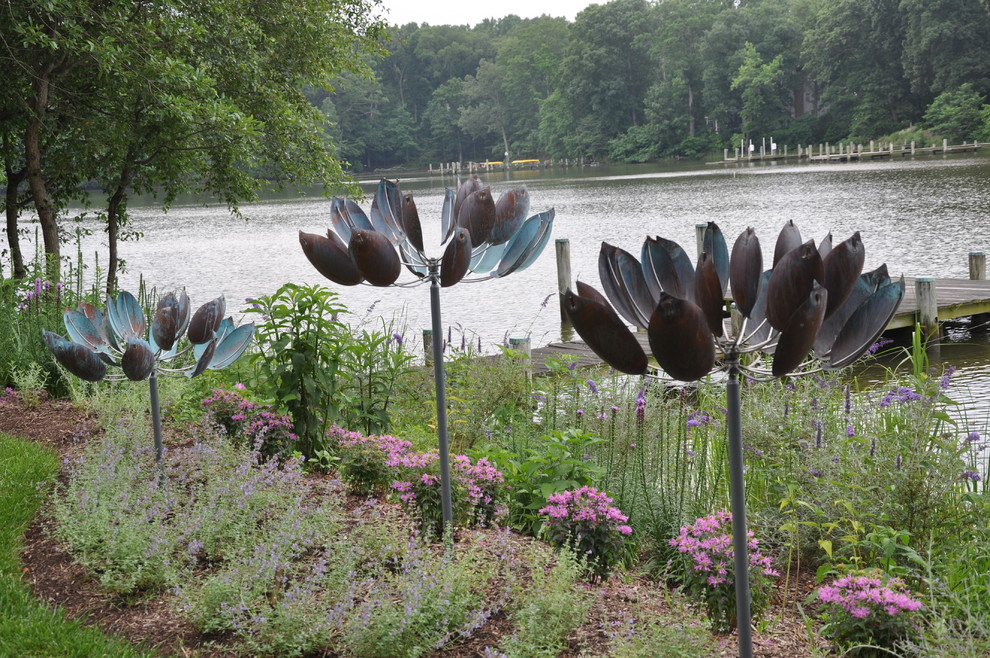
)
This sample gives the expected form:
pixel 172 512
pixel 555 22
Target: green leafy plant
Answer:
pixel 371 366
pixel 559 463
pixel 548 609
pixel 301 345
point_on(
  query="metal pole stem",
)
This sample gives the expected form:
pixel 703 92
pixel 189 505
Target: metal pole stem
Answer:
pixel 156 425
pixel 439 376
pixel 737 494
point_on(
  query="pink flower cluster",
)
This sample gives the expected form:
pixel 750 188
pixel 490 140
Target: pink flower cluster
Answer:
pixel 861 595
pixel 371 461
pixel 585 521
pixel 391 448
pixel 257 425
pixel 586 506
pixel 709 544
pixel 481 478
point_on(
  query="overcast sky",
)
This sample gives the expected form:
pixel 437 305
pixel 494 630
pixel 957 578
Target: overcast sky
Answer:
pixel 472 12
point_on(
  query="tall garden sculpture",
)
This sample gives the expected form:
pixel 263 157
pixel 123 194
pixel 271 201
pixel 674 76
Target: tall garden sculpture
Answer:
pixel 121 337
pixel 814 309
pixel 485 238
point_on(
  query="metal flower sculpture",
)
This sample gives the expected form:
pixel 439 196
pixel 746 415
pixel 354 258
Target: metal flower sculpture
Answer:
pixel 813 309
pixel 484 237
pixel 121 337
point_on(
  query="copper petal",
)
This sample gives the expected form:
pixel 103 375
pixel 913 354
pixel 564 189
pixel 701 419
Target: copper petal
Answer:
pixel 788 239
pixel 842 268
pixel 456 258
pixel 375 257
pixel 791 282
pixel 798 335
pixel 77 359
pixel 605 333
pixel 746 271
pixel 680 339
pixel 708 293
pixel 330 259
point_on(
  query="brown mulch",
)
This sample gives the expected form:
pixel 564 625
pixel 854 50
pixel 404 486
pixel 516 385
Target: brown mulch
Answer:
pixel 153 623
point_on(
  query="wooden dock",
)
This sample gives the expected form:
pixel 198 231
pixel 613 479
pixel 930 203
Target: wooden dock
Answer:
pixel 845 152
pixel 956 298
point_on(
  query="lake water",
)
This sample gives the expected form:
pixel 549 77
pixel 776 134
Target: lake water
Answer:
pixel 921 216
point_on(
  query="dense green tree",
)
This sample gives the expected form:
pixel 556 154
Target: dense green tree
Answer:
pixel 945 45
pixel 759 85
pixel 487 110
pixel 853 50
pixel 168 97
pixel 530 55
pixel 443 129
pixel 956 114
pixel 682 25
pixel 603 76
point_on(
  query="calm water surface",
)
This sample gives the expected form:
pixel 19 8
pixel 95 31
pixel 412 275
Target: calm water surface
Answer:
pixel 920 216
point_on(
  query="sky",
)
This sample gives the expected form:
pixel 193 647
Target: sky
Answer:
pixel 472 12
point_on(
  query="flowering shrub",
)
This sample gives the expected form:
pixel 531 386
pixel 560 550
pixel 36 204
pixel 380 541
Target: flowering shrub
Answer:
pixel 867 608
pixel 476 497
pixel 584 520
pixel 708 570
pixel 367 463
pixel 483 484
pixel 249 423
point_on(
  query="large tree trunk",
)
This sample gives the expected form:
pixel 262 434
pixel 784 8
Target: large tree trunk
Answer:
pixel 47 215
pixel 116 205
pixel 12 207
pixel 691 126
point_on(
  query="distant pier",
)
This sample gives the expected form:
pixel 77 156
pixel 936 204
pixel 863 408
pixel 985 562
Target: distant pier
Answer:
pixel 842 152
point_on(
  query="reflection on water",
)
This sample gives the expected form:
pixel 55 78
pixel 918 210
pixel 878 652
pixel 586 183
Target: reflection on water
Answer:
pixel 921 216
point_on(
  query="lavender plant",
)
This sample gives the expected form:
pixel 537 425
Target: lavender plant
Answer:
pixel 547 609
pixel 585 521
pixel 866 609
pixel 707 574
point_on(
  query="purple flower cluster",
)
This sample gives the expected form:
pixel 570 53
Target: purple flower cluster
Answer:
pixel 971 476
pixel 862 595
pixel 946 379
pixel 641 405
pixel 483 483
pixel 585 520
pixel 8 394
pixel 477 490
pixel 708 567
pixel 901 395
pixel 699 418
pixel 867 608
pixel 875 347
pixel 256 425
pixel 43 292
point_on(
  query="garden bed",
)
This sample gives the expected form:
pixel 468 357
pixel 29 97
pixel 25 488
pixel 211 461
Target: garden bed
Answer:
pixel 154 622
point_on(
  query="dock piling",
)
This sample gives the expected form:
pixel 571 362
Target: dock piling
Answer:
pixel 927 305
pixel 563 252
pixel 428 346
pixel 522 344
pixel 977 266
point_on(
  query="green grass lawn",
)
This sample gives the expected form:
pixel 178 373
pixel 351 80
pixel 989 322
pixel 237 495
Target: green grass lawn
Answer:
pixel 28 627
